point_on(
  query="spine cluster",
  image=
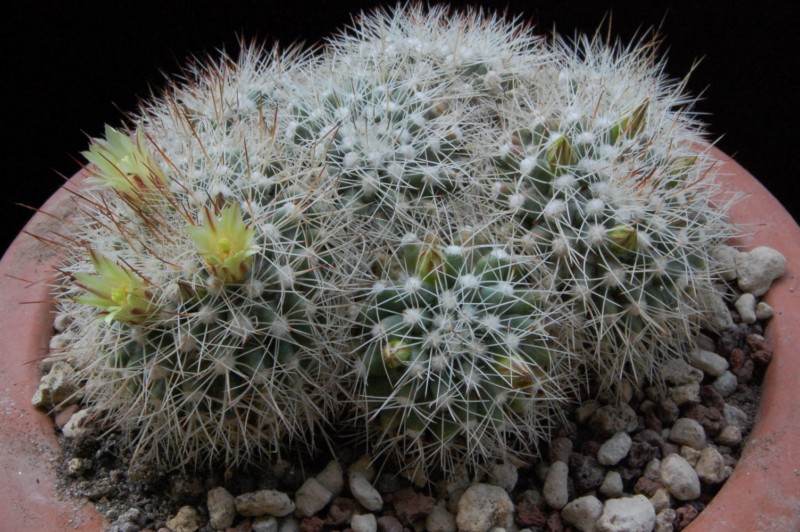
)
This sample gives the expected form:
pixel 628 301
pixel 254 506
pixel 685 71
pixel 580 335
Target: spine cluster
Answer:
pixel 440 229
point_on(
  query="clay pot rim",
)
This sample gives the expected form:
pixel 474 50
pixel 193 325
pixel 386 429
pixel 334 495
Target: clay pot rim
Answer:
pixel 762 494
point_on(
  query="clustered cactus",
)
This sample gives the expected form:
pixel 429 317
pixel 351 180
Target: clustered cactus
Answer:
pixel 440 229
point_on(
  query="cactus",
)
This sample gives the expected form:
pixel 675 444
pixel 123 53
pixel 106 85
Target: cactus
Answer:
pixel 216 276
pixel 457 360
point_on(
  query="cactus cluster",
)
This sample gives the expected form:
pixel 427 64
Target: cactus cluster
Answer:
pixel 439 229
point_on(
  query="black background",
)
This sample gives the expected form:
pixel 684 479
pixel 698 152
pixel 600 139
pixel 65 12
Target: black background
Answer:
pixel 70 67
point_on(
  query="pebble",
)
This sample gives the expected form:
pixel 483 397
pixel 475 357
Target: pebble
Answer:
pixel 726 259
pixel 264 502
pixel 289 524
pixel 440 520
pixel 612 486
pixel 77 425
pixel 653 470
pixel 560 449
pixel 57 388
pixel 746 307
pixel 629 514
pixel 610 419
pixel 763 311
pixel 76 467
pixel 685 394
pixel 332 478
pixel 690 455
pixel 757 269
pixel 661 499
pixel 587 474
pixel 265 523
pixel 710 466
pixel 680 478
pixel 555 485
pixel 735 417
pixel 504 476
pixel 709 362
pixel 364 492
pixel 726 384
pixel 186 520
pixel 730 436
pixel 584 412
pixel 664 520
pixel 221 508
pixel 311 498
pixel 410 506
pixel 364 523
pixel 614 449
pixel 483 506
pixel 583 512
pixel 718 318
pixel 389 523
pixel 687 431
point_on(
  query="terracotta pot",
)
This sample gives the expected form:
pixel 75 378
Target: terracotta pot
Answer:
pixel 762 494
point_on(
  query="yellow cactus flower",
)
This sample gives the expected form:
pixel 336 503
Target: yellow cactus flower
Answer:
pixel 119 292
pixel 226 244
pixel 126 165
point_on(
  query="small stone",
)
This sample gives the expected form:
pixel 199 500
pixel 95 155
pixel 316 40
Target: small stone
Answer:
pixel 587 474
pixel 77 426
pixel 685 515
pixel 265 523
pixel 311 498
pixel 668 411
pixel 763 311
pixel 186 520
pixel 630 514
pixel 710 467
pixel 364 523
pixel 410 506
pixel 76 467
pixel 664 520
pixel 736 417
pixel 364 492
pixel 660 499
pixel 341 511
pixel 614 449
pixel 709 418
pixel 709 362
pixel 332 478
pixel 677 372
pixel 726 384
pixel 312 524
pixel 718 318
pixel 686 431
pixel 504 476
pixel 440 520
pixel 610 419
pixel 685 394
pixel 583 512
pixel 221 508
pixel 483 506
pixel 730 436
pixel 363 466
pixel 758 268
pixel 612 486
pixel 642 452
pixel 584 412
pixel 560 449
pixel 389 523
pixel 746 307
pixel 646 486
pixel 264 502
pixel 555 485
pixel 653 470
pixel 58 388
pixel 680 478
pixel 529 514
pixel 690 455
pixel 289 524
pixel 726 260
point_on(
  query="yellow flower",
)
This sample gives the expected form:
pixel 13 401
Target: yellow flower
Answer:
pixel 226 244
pixel 120 293
pixel 126 166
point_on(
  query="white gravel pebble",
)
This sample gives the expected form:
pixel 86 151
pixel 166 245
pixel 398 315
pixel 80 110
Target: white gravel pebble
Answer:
pixel 311 497
pixel 690 455
pixel 687 431
pixel 78 424
pixel 289 524
pixel 730 436
pixel 440 520
pixel 483 506
pixel 265 523
pixel 726 258
pixel 746 307
pixel 186 520
pixel 583 512
pixel 734 416
pixel 555 485
pixel 364 523
pixel 680 478
pixel 264 502
pixel 614 449
pixel 711 467
pixel 221 508
pixel 718 317
pixel 763 311
pixel 612 486
pixel 709 362
pixel 630 514
pixel 685 394
pixel 332 477
pixel 678 372
pixel 726 384
pixel 364 492
pixel 664 520
pixel 504 476
pixel 758 268
pixel 661 499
